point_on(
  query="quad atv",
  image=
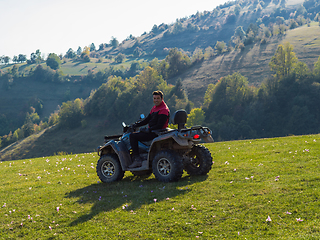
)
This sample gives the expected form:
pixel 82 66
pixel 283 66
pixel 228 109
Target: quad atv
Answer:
pixel 166 156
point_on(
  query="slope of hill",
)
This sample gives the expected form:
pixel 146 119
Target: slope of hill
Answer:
pixel 53 140
pixel 252 62
pixel 205 29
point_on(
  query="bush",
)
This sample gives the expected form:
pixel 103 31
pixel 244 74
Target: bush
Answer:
pixel 120 58
pixel 71 114
pixel 53 61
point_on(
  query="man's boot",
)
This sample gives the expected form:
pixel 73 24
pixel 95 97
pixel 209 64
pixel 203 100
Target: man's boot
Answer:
pixel 137 162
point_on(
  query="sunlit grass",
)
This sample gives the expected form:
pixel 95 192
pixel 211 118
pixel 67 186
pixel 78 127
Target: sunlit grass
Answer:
pixel 60 197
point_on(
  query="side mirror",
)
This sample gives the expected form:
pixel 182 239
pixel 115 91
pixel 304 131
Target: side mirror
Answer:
pixel 142 116
pixel 123 124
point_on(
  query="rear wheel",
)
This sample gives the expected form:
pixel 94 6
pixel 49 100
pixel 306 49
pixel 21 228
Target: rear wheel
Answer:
pixel 199 161
pixel 109 168
pixel 167 166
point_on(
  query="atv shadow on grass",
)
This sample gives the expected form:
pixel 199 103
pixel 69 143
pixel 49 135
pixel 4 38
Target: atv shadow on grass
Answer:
pixel 129 194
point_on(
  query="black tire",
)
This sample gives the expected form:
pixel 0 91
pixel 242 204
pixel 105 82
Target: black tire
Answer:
pixel 199 162
pixel 109 168
pixel 167 166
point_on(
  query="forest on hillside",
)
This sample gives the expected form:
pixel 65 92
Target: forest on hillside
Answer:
pixel 287 103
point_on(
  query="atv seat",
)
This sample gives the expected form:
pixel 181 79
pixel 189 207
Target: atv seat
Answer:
pixel 180 118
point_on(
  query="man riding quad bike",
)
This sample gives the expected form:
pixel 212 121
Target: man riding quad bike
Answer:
pixel 166 155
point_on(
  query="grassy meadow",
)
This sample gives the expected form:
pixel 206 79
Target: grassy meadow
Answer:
pixel 257 189
pixel 79 68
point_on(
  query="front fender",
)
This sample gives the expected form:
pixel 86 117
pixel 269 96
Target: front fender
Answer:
pixel 119 148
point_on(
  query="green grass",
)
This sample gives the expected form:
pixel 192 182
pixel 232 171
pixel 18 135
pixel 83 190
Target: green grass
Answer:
pixel 76 68
pixel 305 37
pixel 250 180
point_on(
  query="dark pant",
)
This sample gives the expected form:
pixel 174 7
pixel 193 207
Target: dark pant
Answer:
pixel 139 136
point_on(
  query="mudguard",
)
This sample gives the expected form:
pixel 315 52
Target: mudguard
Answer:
pixel 208 139
pixel 183 142
pixel 120 150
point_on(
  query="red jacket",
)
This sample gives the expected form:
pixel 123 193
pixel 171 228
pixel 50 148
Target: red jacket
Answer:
pixel 158 117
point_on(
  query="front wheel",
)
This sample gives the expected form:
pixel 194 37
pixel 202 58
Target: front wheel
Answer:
pixel 109 168
pixel 167 166
pixel 199 161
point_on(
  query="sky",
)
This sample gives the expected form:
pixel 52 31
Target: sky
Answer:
pixel 54 26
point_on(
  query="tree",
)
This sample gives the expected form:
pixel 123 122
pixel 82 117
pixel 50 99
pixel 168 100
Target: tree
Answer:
pixel 177 27
pixel 53 119
pixel 231 18
pixel 120 58
pixel 27 127
pixel 85 54
pixel 86 50
pixel 134 68
pixel 283 61
pixel 154 28
pixel 22 58
pixel 239 32
pixel 101 46
pixel 15 59
pixel 137 52
pixel 35 57
pixel 114 42
pixel 195 117
pixel 177 62
pixel 220 46
pixel 79 51
pixel 316 69
pixel 208 95
pixel 53 61
pixel 208 52
pixel 71 113
pixel 197 55
pixel 38 54
pixel 6 59
pixel 229 96
pixel 70 53
pixel 92 47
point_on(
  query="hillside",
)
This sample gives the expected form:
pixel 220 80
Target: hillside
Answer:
pixel 199 31
pixel 204 29
pixel 252 62
pixel 53 141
